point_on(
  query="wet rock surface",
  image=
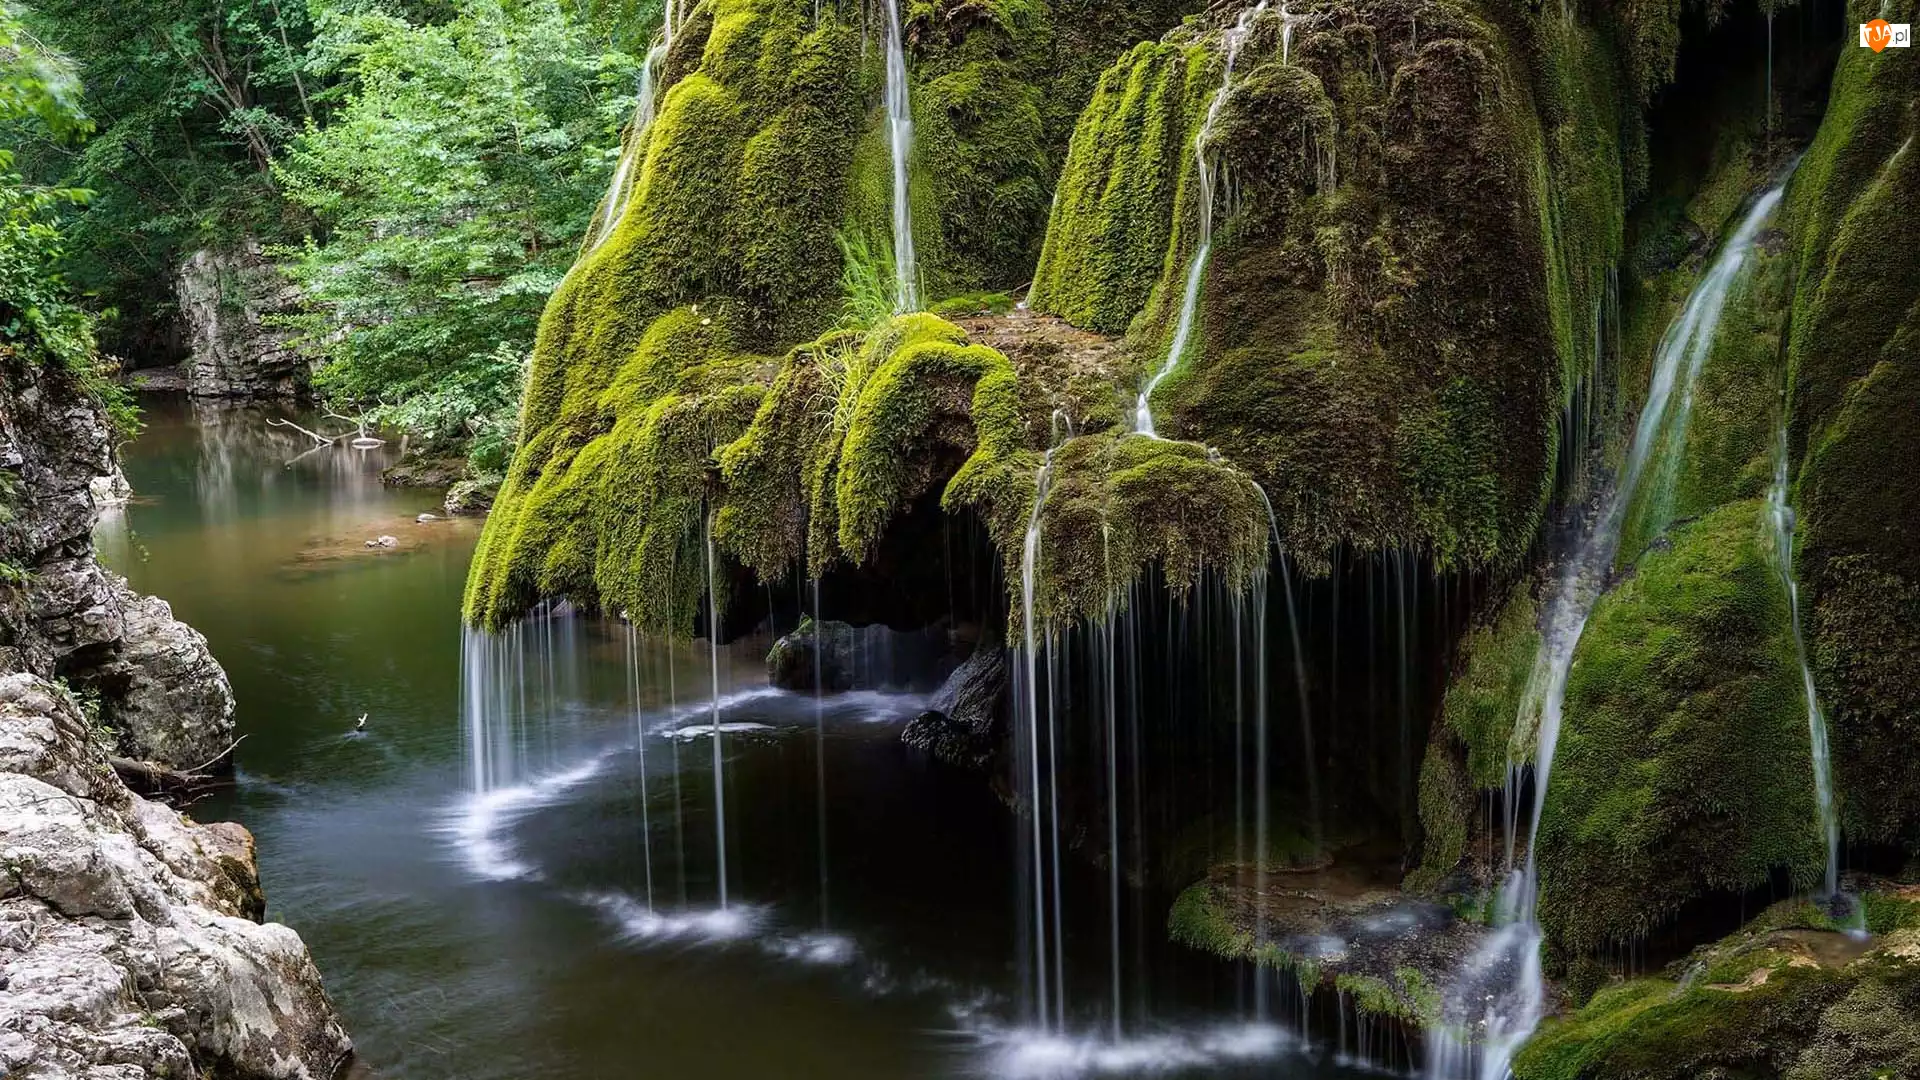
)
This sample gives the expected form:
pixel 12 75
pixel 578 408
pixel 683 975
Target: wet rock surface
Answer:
pixel 129 940
pixel 964 723
pixel 1342 925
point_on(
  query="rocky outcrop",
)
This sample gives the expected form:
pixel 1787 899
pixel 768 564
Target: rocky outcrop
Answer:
pixel 130 944
pixel 157 682
pixel 225 298
pixel 965 718
pixel 836 657
pixel 161 688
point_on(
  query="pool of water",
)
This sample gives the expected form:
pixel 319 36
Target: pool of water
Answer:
pixel 565 922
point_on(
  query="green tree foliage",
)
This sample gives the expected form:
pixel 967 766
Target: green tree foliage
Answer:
pixel 39 320
pixel 194 99
pixel 449 191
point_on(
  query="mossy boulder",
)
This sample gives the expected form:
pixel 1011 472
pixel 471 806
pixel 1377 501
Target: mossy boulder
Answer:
pixel 1782 998
pixel 1405 268
pixel 1334 927
pixel 1683 764
pixel 1854 356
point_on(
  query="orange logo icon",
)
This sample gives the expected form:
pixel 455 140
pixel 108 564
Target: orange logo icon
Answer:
pixel 1876 35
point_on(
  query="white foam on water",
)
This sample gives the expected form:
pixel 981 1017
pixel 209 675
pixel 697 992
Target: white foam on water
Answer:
pixel 698 730
pixel 822 949
pixel 692 926
pixel 1033 1054
pixel 479 819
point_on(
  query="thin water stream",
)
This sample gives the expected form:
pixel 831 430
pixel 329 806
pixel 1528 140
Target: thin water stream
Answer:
pixel 531 888
pixel 1499 998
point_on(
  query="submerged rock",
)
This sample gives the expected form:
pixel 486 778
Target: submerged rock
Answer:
pixel 836 657
pixel 225 298
pixel 965 719
pixel 129 940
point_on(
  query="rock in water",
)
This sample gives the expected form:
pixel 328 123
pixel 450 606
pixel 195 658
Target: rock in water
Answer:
pixel 130 943
pixel 963 722
pixel 791 664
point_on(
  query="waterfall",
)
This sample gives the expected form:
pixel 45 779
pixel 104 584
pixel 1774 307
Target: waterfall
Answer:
pixel 1499 997
pixel 1235 37
pixel 634 682
pixel 1780 518
pixel 719 776
pixel 1027 716
pixel 634 148
pixel 906 266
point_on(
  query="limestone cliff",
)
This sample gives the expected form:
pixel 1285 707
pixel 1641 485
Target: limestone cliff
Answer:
pixel 225 298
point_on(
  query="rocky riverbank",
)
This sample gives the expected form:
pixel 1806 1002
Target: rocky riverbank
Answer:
pixel 130 937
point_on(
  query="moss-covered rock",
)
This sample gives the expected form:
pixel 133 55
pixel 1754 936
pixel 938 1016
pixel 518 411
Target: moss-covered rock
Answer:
pixel 1781 998
pixel 1855 410
pixel 1420 209
pixel 1683 763
pixel 1334 928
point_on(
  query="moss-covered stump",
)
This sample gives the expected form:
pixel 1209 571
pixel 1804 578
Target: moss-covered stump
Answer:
pixel 1854 359
pixel 1683 766
pixel 1340 926
pixel 1784 998
pixel 1404 277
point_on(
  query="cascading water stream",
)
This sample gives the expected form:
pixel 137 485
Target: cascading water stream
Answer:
pixel 1499 997
pixel 640 745
pixel 906 265
pixel 719 774
pixel 635 146
pixel 1235 37
pixel 1780 518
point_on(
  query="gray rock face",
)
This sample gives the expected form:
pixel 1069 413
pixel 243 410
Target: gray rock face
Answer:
pixel 161 688
pixel 963 724
pixel 224 299
pixel 71 618
pixel 129 945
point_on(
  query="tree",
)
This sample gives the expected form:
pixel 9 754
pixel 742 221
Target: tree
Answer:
pixel 449 190
pixel 194 100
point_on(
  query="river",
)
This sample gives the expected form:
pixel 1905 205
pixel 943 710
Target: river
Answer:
pixel 881 931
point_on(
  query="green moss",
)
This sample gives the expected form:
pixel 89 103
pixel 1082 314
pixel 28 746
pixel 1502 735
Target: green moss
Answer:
pixel 1768 1001
pixel 1119 504
pixel 1652 1029
pixel 1107 238
pixel 1477 736
pixel 1409 231
pixel 1716 443
pixel 1683 765
pixel 1855 424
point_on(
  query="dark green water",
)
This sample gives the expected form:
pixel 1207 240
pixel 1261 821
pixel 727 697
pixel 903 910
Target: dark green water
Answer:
pixel 901 964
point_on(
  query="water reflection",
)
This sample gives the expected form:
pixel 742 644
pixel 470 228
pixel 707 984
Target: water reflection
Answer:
pixel 561 921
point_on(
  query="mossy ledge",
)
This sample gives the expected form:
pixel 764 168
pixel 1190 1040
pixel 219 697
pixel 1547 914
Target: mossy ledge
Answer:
pixel 667 402
pixel 1335 928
